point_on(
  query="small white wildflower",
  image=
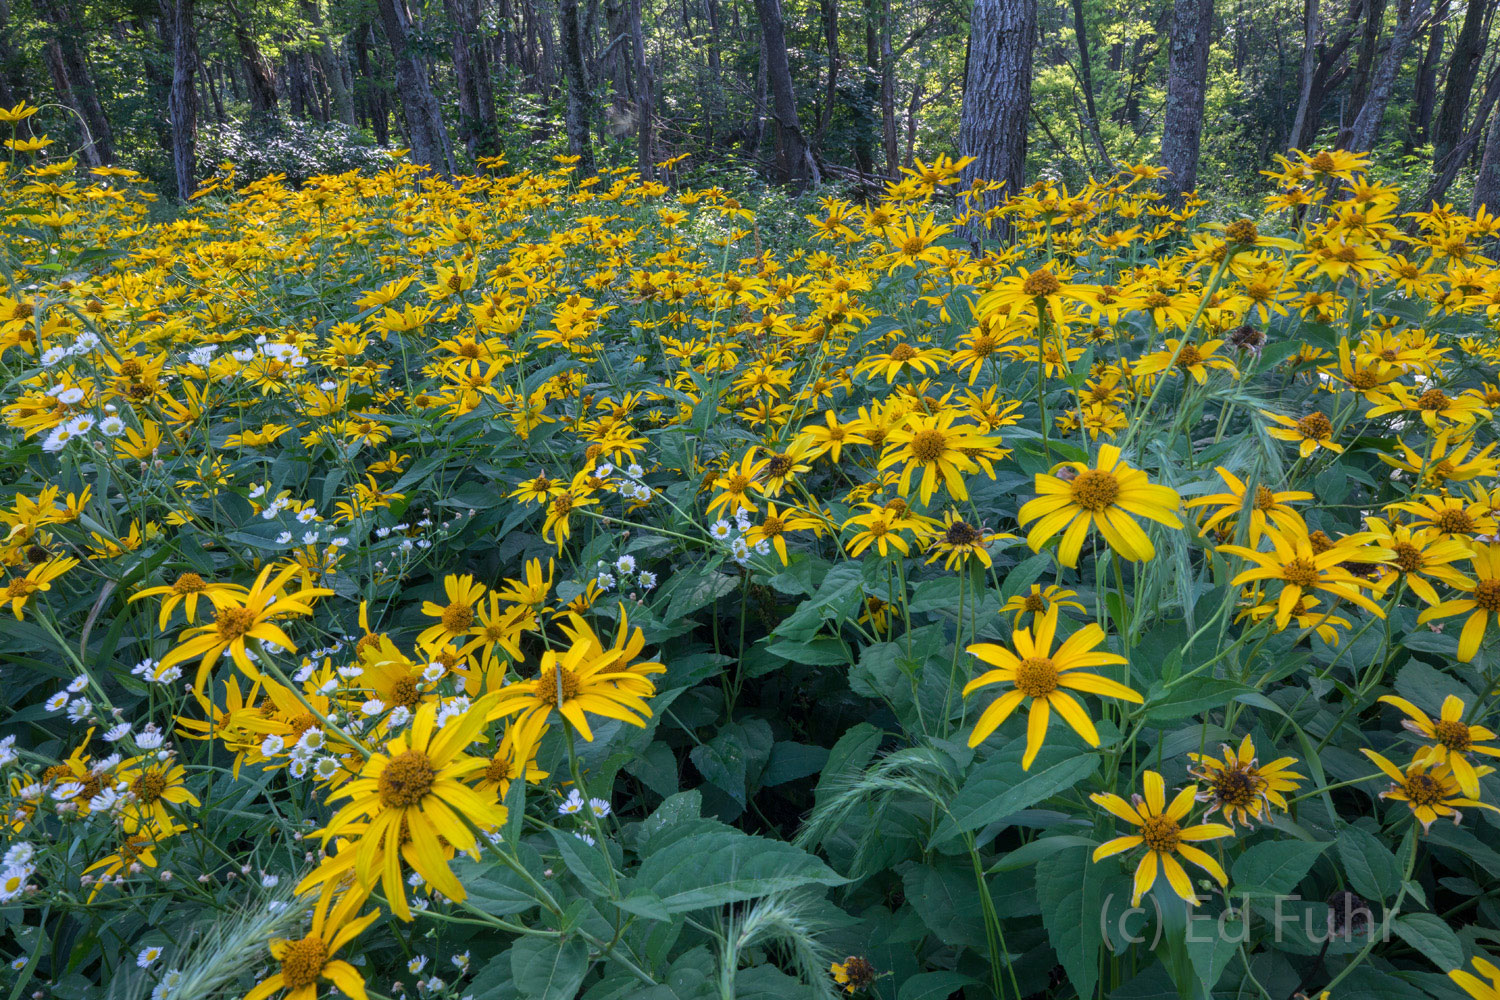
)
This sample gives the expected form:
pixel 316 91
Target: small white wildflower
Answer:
pixel 269 881
pixel 325 768
pixel 19 855
pixel 79 709
pixel 400 716
pixel 70 395
pixel 57 702
pixel 433 672
pixel 625 565
pixel 147 956
pixel 67 791
pixel 112 426
pixel 646 580
pixel 606 581
pixel 417 964
pixel 584 837
pixel 600 807
pixel 78 683
pixel 372 707
pixel 572 805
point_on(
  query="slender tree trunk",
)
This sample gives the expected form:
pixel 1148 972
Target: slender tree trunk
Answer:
pixel 580 96
pixel 913 108
pixel 1446 169
pixel 888 94
pixel 1187 79
pixel 213 90
pixel 1311 29
pixel 260 78
pixel 370 85
pixel 1424 90
pixel 424 119
pixel 1364 64
pixel 182 104
pixel 830 16
pixel 330 58
pixel 997 94
pixel 645 102
pixel 797 165
pixel 84 97
pixel 1411 14
pixel 1487 181
pixel 1086 74
pixel 1468 49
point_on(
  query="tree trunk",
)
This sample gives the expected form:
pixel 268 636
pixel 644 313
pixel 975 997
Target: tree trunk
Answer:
pixel 1468 49
pixel 471 71
pixel 331 60
pixel 13 84
pixel 98 139
pixel 370 85
pixel 1446 169
pixel 796 162
pixel 1086 74
pixel 645 102
pixel 1187 79
pixel 997 93
pixel 580 96
pixel 260 78
pixel 182 104
pixel 888 95
pixel 1424 92
pixel 1409 19
pixel 830 17
pixel 1311 29
pixel 424 118
pixel 1487 181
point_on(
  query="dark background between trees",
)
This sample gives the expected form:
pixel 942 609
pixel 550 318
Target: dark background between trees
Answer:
pixel 801 91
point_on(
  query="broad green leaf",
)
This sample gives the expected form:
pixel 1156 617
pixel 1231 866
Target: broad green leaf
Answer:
pixel 547 968
pixel 998 787
pixel 711 864
pixel 1274 868
pixel 1068 886
pixel 1371 868
pixel 585 862
pixel 933 985
pixel 1433 939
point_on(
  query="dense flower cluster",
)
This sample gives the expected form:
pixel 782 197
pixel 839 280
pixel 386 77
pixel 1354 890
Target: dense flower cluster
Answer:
pixel 375 491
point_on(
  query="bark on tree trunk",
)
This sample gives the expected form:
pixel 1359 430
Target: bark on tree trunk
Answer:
pixel 797 165
pixel 260 78
pixel 1086 73
pixel 830 14
pixel 580 95
pixel 471 71
pixel 997 94
pixel 182 103
pixel 330 60
pixel 1487 181
pixel 98 139
pixel 1311 29
pixel 1187 79
pixel 1468 49
pixel 645 103
pixel 424 119
pixel 888 95
pixel 1411 14
pixel 374 98
pixel 1424 92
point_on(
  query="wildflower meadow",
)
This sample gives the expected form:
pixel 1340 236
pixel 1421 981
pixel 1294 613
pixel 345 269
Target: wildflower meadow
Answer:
pixel 546 585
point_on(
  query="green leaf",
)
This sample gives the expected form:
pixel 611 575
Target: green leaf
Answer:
pixel 705 863
pixel 1274 869
pixel 547 968
pixel 694 594
pixel 933 985
pixel 1069 888
pixel 1369 865
pixel 1191 697
pixel 790 761
pixel 1432 938
pixel 495 888
pixel 732 760
pixel 1042 847
pixel 848 758
pixel 585 862
pixel 946 897
pixel 998 787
